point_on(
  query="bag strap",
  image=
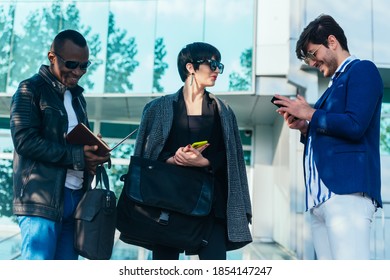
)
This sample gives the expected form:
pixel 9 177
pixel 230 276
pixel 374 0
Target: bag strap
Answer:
pixel 102 177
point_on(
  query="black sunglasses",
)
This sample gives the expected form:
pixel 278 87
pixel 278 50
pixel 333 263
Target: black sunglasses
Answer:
pixel 74 64
pixel 213 64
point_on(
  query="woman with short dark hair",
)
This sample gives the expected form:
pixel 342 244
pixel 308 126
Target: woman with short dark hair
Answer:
pixel 171 123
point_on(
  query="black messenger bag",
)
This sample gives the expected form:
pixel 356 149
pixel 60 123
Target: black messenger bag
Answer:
pixel 165 204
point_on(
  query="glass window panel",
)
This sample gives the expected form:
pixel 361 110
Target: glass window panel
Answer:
pixel 32 39
pixel 236 18
pixel 37 23
pixel 95 32
pixel 135 21
pixel 6 26
pixel 204 21
pixel 179 22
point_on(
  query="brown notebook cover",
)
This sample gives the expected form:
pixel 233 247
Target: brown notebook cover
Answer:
pixel 81 135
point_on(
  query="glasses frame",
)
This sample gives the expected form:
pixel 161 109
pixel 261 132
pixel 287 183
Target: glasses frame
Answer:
pixel 70 64
pixel 213 64
pixel 310 56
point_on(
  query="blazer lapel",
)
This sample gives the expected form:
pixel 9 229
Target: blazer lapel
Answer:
pixel 324 96
pixel 328 91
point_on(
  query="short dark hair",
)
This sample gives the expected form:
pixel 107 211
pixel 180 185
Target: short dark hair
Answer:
pixel 317 32
pixel 193 53
pixel 65 35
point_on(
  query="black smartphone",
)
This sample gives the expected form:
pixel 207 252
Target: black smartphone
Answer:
pixel 273 99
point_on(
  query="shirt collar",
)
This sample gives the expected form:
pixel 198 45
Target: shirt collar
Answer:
pixel 343 65
pixel 341 68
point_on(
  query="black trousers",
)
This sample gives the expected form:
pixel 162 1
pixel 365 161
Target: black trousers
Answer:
pixel 215 250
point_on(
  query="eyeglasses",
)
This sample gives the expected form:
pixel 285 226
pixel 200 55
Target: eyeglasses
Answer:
pixel 213 64
pixel 310 56
pixel 74 64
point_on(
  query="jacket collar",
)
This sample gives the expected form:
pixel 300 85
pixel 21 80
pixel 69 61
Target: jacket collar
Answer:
pixel 49 78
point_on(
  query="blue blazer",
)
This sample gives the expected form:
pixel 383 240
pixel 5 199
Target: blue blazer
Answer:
pixel 345 131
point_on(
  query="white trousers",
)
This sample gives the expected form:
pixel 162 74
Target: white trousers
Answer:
pixel 341 227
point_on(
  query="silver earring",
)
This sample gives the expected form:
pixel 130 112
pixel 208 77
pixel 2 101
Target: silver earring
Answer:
pixel 192 79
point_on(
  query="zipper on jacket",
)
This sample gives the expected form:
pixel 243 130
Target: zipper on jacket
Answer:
pixel 56 109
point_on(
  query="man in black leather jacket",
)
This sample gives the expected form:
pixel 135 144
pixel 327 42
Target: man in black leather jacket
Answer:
pixel 50 175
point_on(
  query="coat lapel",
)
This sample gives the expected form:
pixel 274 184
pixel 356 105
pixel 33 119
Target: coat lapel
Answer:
pixel 329 90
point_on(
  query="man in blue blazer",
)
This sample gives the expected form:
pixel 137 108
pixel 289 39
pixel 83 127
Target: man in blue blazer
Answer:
pixel 341 137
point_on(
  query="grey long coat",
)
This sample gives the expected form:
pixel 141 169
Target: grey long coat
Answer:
pixel 153 132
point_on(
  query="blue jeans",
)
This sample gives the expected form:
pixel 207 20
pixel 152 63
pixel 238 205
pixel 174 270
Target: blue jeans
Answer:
pixel 44 239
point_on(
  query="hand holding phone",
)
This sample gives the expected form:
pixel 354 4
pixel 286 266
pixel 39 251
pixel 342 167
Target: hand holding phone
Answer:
pixel 274 99
pixel 199 144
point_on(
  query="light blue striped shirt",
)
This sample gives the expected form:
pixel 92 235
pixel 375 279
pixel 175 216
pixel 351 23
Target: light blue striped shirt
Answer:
pixel 316 190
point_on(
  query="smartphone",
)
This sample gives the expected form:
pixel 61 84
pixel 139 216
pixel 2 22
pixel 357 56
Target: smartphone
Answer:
pixel 199 144
pixel 273 99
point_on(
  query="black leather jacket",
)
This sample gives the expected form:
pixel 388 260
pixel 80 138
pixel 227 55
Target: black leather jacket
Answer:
pixel 39 125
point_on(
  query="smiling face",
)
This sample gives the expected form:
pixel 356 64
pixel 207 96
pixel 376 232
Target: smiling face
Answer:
pixel 325 59
pixel 69 52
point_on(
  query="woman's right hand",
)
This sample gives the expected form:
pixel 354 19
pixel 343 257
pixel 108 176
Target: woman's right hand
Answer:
pixel 189 156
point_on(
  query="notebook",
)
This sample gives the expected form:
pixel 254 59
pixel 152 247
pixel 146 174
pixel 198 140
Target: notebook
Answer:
pixel 82 135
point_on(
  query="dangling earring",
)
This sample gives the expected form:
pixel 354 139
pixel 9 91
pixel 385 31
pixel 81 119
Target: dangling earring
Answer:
pixel 192 79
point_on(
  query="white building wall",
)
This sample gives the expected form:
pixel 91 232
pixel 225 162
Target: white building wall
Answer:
pixel 262 188
pixel 272 48
pixel 278 186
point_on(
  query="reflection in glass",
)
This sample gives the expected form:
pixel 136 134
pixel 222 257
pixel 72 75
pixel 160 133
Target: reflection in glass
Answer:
pixel 7 14
pixel 36 24
pixel 159 64
pixel 236 19
pixel 242 81
pixel 133 45
pixel 136 19
pixel 121 62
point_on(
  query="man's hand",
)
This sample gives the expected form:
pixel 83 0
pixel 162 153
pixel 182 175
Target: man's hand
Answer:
pixel 298 107
pixel 296 112
pixel 294 123
pixel 92 160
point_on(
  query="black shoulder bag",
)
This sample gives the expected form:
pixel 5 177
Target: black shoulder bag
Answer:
pixel 95 219
pixel 165 204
